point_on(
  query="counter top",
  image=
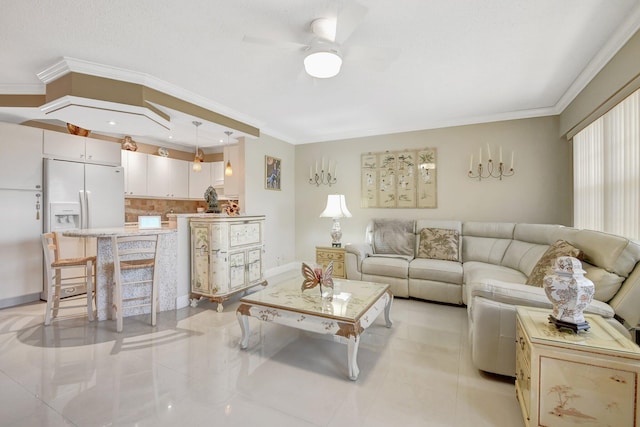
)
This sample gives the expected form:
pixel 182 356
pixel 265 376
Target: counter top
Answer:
pixel 117 231
pixel 196 215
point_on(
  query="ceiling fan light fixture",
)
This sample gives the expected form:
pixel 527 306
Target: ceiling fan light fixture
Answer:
pixel 323 64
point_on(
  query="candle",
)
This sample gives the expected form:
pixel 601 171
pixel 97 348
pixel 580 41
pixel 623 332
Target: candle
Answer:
pixel 310 172
pixel 335 170
pixel 512 160
pixel 329 166
pixel 322 163
pixel 480 158
pixel 489 151
pixel 471 163
pixel 500 154
pixel 316 167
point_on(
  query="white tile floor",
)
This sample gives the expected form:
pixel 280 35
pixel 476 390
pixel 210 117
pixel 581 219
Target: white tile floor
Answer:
pixel 189 371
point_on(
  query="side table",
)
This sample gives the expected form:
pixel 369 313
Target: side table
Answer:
pixel 326 254
pixel 566 379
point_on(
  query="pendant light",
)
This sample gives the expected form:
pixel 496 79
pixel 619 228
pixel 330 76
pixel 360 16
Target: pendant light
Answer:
pixel 227 170
pixel 197 167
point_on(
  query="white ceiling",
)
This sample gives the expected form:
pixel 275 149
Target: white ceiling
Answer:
pixel 450 62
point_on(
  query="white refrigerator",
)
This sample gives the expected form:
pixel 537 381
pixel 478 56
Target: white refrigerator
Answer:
pixel 81 195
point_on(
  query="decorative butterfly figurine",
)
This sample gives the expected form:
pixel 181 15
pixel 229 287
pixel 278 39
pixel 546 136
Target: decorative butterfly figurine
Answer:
pixel 314 277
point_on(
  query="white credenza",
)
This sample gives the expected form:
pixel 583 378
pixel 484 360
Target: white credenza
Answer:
pixel 565 379
pixel 226 256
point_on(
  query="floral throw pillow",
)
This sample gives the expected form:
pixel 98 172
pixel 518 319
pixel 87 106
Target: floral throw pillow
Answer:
pixel 546 262
pixel 439 243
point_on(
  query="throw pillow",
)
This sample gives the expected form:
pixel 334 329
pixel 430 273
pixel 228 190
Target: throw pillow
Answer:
pixel 546 262
pixel 439 243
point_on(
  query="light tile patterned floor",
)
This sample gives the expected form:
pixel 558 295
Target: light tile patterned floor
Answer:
pixel 189 371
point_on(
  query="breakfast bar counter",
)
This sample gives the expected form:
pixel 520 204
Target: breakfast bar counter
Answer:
pixel 165 266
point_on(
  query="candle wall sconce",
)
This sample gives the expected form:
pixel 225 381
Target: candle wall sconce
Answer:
pixel 321 175
pixel 491 170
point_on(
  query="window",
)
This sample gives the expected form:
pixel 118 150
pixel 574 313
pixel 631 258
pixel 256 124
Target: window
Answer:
pixel 606 172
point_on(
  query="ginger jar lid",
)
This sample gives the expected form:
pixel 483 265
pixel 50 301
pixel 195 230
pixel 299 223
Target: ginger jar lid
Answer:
pixel 568 265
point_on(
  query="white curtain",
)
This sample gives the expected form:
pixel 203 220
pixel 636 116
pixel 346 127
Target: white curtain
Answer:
pixel 606 171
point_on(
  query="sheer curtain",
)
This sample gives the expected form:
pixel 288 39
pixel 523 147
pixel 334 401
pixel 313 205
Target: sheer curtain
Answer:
pixel 606 171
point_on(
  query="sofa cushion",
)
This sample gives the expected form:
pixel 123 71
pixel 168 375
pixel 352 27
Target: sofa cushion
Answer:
pixel 542 234
pixel 531 296
pixel 497 230
pixel 484 249
pixel 439 243
pixel 606 283
pixel 475 272
pixel 613 253
pixel 436 270
pixel 388 266
pixel 523 256
pixel 546 262
pixel 393 236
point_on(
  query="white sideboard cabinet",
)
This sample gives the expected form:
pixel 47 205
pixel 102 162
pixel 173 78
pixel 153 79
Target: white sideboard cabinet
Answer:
pixel 226 256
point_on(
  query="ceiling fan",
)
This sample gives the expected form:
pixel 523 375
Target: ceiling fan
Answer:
pixel 324 54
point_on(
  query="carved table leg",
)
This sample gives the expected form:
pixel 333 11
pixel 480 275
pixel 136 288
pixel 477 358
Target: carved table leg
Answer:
pixel 244 326
pixel 352 357
pixel 387 312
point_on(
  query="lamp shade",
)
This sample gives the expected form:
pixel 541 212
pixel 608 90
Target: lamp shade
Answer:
pixel 322 64
pixel 336 207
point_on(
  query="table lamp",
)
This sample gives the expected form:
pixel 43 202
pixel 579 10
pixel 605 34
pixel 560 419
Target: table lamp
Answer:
pixel 336 209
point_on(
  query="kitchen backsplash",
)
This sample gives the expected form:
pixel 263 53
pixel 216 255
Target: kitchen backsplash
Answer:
pixel 136 207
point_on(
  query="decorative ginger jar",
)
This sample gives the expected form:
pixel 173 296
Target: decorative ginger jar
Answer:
pixel 568 290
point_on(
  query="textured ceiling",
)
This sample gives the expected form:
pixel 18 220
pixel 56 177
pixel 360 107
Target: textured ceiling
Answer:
pixel 443 62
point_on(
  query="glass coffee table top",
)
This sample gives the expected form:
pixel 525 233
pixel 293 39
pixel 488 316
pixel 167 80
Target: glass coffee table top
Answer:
pixel 351 298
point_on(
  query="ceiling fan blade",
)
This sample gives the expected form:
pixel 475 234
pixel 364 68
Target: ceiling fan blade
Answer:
pixel 348 20
pixel 273 43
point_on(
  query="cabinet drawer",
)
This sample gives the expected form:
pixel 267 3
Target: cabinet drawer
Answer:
pixel 323 256
pixel 338 268
pixel 522 345
pixel 523 383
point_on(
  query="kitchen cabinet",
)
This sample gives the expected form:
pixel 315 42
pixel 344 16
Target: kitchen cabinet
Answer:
pixel 63 146
pixel 217 174
pixel 20 157
pixel 199 181
pixel 167 178
pixel 226 256
pixel 21 214
pixel 135 173
pixel 565 378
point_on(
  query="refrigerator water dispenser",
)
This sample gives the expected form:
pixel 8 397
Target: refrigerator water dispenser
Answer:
pixel 64 216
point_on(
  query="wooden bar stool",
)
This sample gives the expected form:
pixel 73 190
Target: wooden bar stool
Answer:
pixel 132 255
pixel 56 280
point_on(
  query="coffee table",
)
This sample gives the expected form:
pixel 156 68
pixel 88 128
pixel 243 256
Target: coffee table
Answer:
pixel 354 307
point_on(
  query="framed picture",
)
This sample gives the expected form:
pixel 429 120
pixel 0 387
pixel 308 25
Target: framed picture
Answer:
pixel 272 172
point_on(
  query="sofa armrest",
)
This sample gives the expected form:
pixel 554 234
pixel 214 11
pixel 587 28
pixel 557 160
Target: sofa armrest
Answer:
pixel 355 253
pixel 530 296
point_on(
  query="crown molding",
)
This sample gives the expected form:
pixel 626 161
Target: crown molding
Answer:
pixel 68 64
pixel 623 33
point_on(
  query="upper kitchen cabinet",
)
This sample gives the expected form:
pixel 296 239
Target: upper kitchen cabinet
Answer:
pixel 20 157
pixel 199 181
pixel 217 174
pixel 135 173
pixel 64 146
pixel 167 177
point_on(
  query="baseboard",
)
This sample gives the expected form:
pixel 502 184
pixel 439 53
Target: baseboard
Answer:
pixel 182 301
pixel 23 299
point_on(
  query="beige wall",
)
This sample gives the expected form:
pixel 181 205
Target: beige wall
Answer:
pixel 617 80
pixel 539 192
pixel 276 205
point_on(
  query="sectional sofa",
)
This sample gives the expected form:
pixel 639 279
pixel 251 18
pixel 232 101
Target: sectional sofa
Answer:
pixel 487 265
